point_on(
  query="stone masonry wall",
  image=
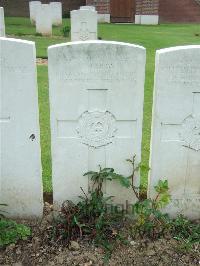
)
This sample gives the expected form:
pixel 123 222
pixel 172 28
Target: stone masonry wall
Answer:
pixel 20 8
pixel 147 7
pixel 102 6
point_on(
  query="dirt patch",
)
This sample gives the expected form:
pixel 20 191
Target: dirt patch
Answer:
pixel 40 249
pixel 48 197
pixel 42 61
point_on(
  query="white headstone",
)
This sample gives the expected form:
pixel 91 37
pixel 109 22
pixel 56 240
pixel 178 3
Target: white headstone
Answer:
pixel 83 25
pixel 20 162
pixel 33 9
pixel 44 20
pixel 56 13
pixel 175 145
pixel 96 98
pixel 2 23
pixel 92 8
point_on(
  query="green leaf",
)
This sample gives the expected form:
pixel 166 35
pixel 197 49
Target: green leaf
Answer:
pixel 90 173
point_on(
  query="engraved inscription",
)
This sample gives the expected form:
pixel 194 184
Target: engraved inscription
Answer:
pixel 183 72
pixel 186 202
pixel 191 132
pixel 96 129
pixel 109 69
pixel 14 67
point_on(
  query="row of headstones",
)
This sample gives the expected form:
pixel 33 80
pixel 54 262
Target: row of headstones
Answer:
pixel 44 16
pixel 83 21
pixel 96 103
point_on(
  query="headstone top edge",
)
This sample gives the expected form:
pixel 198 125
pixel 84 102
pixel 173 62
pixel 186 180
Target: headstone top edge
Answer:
pixel 53 3
pixel 177 48
pixel 17 41
pixel 97 42
pixel 83 11
pixel 34 1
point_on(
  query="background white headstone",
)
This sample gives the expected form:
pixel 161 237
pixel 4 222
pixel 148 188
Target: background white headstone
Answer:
pixel 2 23
pixel 56 13
pixel 20 163
pixel 44 20
pixel 83 25
pixel 96 100
pixel 33 9
pixel 175 145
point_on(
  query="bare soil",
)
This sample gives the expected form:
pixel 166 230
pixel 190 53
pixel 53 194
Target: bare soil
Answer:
pixel 40 249
pixel 42 61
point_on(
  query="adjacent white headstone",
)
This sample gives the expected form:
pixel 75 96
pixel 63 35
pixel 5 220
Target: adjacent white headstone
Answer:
pixel 92 8
pixel 83 25
pixel 104 18
pixel 33 9
pixel 175 145
pixel 44 20
pixel 148 19
pixel 96 99
pixel 20 162
pixel 56 13
pixel 2 23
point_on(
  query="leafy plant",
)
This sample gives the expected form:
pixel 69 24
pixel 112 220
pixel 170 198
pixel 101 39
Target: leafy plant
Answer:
pixel 90 218
pixel 1 210
pixel 37 34
pixel 186 232
pixel 11 232
pixel 135 168
pixel 150 221
pixel 65 31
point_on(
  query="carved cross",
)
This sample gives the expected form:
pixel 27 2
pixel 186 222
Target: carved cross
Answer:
pixel 97 128
pixel 84 33
pixel 188 131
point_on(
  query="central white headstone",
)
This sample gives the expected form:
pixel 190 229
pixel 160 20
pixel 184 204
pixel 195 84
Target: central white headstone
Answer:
pixel 83 25
pixel 96 99
pixel 20 162
pixel 175 145
pixel 33 9
pixel 44 20
pixel 56 13
pixel 2 23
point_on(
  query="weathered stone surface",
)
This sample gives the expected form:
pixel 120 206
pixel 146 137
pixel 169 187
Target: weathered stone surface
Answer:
pixel 33 9
pixel 2 23
pixel 20 162
pixel 83 25
pixel 175 145
pixel 56 13
pixel 96 98
pixel 44 20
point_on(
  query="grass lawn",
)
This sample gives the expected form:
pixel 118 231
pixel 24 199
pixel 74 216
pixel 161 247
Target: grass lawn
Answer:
pixel 151 37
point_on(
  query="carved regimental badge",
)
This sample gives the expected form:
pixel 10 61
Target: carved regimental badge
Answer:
pixel 191 132
pixel 96 129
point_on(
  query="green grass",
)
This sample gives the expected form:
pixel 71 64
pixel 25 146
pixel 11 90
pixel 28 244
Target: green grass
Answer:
pixel 44 124
pixel 151 37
